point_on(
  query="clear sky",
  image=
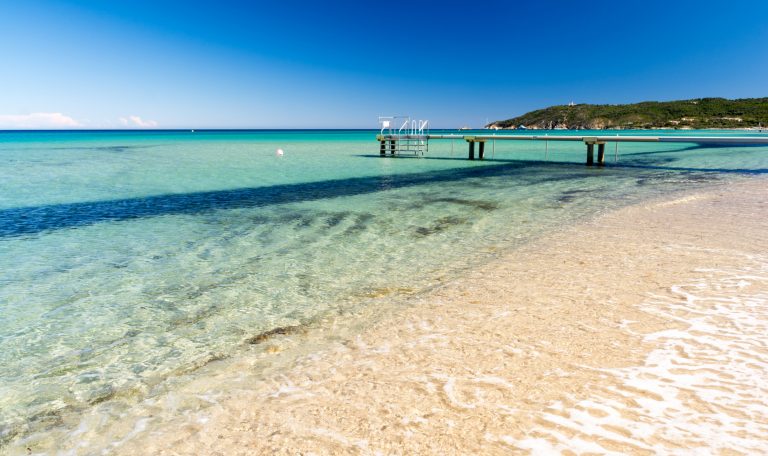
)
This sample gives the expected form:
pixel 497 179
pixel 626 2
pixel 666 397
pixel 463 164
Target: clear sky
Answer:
pixel 340 64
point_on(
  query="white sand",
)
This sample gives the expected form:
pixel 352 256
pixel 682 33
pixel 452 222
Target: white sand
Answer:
pixel 642 332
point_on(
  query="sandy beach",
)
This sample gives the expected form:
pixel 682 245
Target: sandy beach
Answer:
pixel 639 332
pixel 275 228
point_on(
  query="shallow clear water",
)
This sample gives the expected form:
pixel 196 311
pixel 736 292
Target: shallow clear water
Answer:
pixel 127 258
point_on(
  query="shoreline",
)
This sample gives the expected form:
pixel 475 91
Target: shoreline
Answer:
pixel 353 383
pixel 527 128
pixel 493 365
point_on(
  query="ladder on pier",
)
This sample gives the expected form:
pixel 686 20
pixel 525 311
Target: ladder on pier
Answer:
pixel 403 135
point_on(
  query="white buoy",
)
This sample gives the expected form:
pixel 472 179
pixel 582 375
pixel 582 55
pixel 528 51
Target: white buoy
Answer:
pixel 279 152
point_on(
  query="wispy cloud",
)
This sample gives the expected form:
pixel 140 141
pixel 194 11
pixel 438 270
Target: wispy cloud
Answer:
pixel 38 120
pixel 136 121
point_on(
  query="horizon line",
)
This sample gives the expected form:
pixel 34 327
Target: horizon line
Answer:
pixel 60 130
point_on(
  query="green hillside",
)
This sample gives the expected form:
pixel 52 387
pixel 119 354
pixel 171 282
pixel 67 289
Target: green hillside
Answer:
pixel 697 113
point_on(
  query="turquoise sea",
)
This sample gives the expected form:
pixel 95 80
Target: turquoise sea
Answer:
pixel 130 258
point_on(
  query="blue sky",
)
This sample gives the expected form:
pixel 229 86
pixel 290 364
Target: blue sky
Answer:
pixel 339 64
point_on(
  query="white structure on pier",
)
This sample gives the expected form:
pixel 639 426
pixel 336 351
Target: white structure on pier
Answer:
pixel 403 134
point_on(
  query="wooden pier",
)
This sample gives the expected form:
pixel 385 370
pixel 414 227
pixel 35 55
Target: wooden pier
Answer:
pixel 419 143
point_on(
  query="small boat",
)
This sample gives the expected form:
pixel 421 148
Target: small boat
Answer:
pixel 758 129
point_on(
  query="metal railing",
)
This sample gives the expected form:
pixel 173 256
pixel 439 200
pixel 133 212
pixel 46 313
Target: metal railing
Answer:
pixel 404 134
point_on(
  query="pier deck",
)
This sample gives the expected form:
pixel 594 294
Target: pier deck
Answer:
pixel 393 140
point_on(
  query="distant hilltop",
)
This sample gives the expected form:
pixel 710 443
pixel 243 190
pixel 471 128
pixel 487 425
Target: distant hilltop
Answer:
pixel 684 114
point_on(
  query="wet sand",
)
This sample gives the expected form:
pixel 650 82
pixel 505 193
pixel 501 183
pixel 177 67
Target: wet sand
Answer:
pixel 640 332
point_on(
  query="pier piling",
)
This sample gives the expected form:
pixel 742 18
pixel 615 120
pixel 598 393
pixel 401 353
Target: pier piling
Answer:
pixel 601 153
pixel 471 149
pixel 482 149
pixel 590 153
